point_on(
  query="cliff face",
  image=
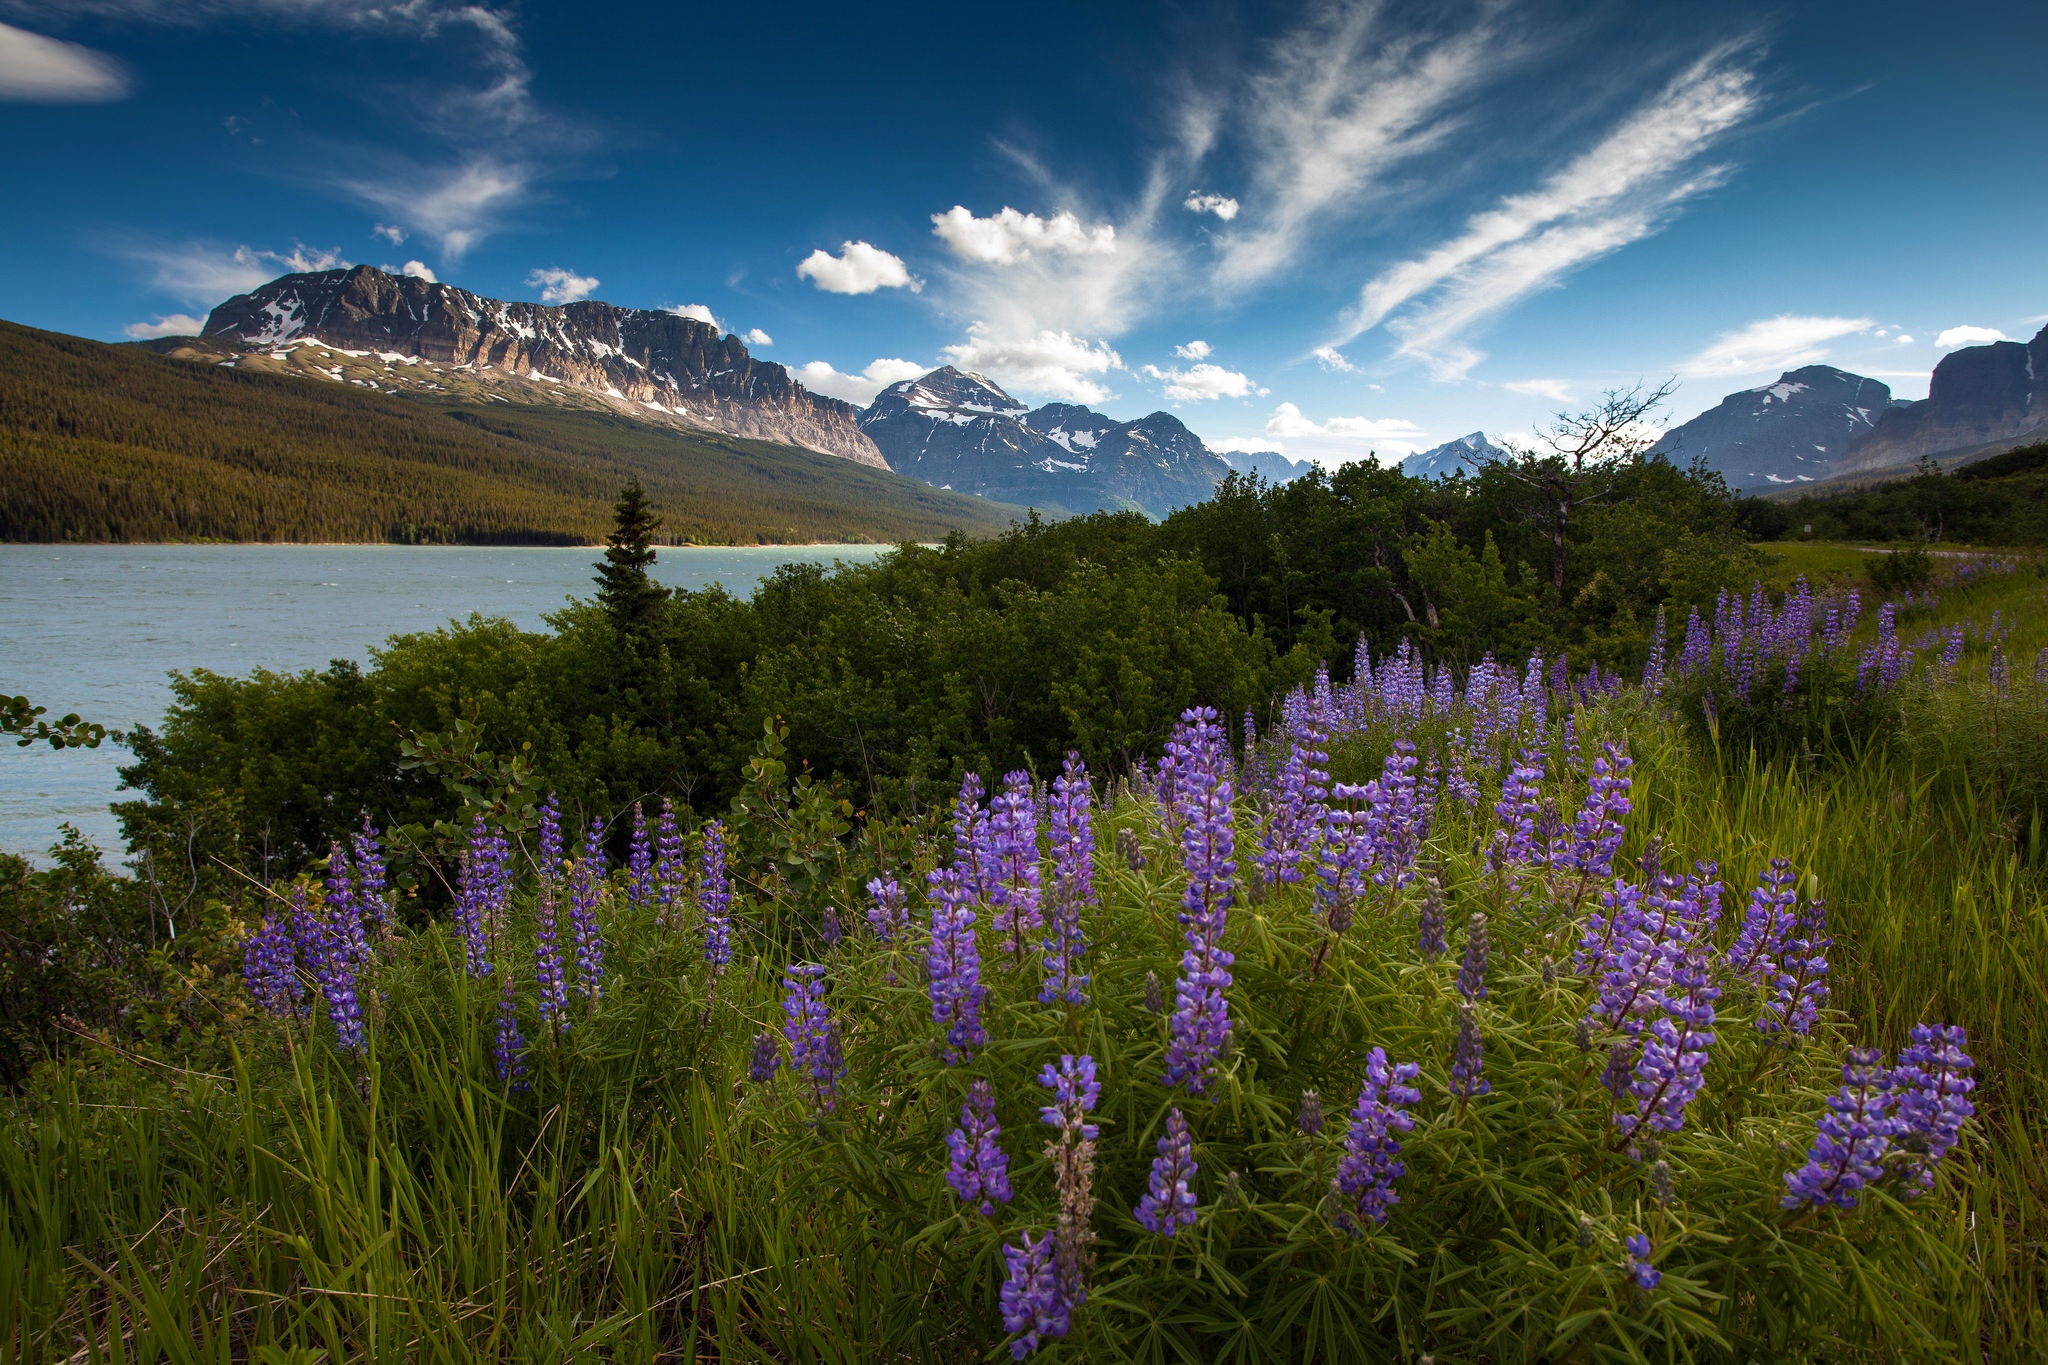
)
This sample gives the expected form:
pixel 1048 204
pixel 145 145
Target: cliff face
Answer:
pixel 649 363
pixel 1793 431
pixel 1978 395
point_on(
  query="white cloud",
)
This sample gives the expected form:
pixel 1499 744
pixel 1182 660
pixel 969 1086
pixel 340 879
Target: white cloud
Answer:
pixel 205 274
pixel 390 232
pixel 1008 237
pixel 1198 382
pixel 1245 445
pixel 1771 344
pixel 419 270
pixel 1341 440
pixel 170 325
pixel 1222 205
pixel 1054 363
pixel 756 337
pixel 1195 350
pixel 1955 337
pixel 1903 340
pixel 458 206
pixel 1332 359
pixel 1341 104
pixel 696 312
pixel 858 269
pixel 557 285
pixel 39 70
pixel 860 389
pixel 1556 390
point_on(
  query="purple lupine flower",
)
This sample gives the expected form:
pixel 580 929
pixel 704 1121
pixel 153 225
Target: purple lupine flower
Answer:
pixel 344 908
pixel 551 856
pixel 1299 797
pixel 1458 783
pixel 1637 948
pixel 979 1172
pixel 1799 987
pixel 1597 829
pixel 954 964
pixel 269 968
pixel 548 972
pixel 1931 1088
pixel 670 871
pixel 639 863
pixel 767 1058
pixel 1013 847
pixel 888 914
pixel 714 898
pixel 1468 1057
pixel 1766 925
pixel 1310 1119
pixel 1432 920
pixel 1472 971
pixel 1515 841
pixel 1200 1027
pixel 1850 1142
pixel 1034 1308
pixel 334 971
pixel 1075 1090
pixel 1653 669
pixel 813 1037
pixel 1168 1204
pixel 1073 884
pixel 1646 1275
pixel 508 1050
pixel 1372 1147
pixel 973 851
pixel 1672 1069
pixel 1398 820
pixel 586 893
pixel 481 879
pixel 829 927
pixel 373 900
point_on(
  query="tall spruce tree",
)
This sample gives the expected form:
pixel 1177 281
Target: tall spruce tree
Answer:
pixel 626 591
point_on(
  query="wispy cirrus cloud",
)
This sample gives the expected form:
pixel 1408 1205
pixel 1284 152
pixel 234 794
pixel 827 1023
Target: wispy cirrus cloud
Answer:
pixel 35 69
pixel 1624 188
pixel 205 273
pixel 1784 342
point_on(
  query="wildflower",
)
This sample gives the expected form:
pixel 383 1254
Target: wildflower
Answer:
pixel 1931 1090
pixel 1201 1019
pixel 1671 1071
pixel 373 900
pixel 1468 1057
pixel 639 863
pixel 586 891
pixel 1127 849
pixel 1075 1090
pixel 1597 831
pixel 669 874
pixel 973 848
pixel 888 915
pixel 1516 810
pixel 1168 1204
pixel 1647 1276
pixel 547 956
pixel 1032 1304
pixel 714 898
pixel 1299 810
pixel 954 964
pixel 1849 1145
pixel 1073 884
pixel 1310 1120
pixel 1013 846
pixel 482 882
pixel 767 1058
pixel 1472 971
pixel 1620 1066
pixel 1155 999
pixel 1432 919
pixel 1799 987
pixel 1767 924
pixel 979 1171
pixel 269 969
pixel 1372 1148
pixel 829 928
pixel 334 971
pixel 813 1037
pixel 509 1049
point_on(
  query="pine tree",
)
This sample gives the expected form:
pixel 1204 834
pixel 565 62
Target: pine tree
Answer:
pixel 626 591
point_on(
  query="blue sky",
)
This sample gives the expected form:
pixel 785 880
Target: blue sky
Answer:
pixel 1328 228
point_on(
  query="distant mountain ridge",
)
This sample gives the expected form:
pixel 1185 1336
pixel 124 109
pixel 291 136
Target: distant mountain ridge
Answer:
pixel 1463 456
pixel 1980 396
pixel 1792 431
pixel 650 364
pixel 956 429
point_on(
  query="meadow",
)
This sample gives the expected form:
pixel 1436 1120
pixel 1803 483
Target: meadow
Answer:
pixel 1493 1013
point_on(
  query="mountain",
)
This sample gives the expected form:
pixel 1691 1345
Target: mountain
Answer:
pixel 114 443
pixel 959 430
pixel 1793 431
pixel 1981 396
pixel 1462 456
pixel 1270 465
pixel 411 334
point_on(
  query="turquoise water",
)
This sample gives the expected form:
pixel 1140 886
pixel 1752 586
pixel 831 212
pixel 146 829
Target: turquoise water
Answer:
pixel 96 629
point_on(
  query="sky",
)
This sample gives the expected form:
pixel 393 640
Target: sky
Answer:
pixel 1336 230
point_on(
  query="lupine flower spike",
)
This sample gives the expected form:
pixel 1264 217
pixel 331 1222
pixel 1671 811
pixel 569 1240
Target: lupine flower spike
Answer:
pixel 978 1170
pixel 509 1049
pixel 1169 1205
pixel 813 1036
pixel 1364 1184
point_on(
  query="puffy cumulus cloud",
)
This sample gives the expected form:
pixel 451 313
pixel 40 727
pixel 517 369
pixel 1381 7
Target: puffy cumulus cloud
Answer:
pixel 756 337
pixel 1903 340
pixel 1052 362
pixel 390 232
pixel 858 269
pixel 1556 390
pixel 557 285
pixel 419 270
pixel 1784 342
pixel 1222 205
pixel 859 389
pixel 1009 237
pixel 1245 445
pixel 1954 337
pixel 169 325
pixel 1195 350
pixel 1341 440
pixel 39 70
pixel 696 312
pixel 1333 360
pixel 1202 381
pixel 201 273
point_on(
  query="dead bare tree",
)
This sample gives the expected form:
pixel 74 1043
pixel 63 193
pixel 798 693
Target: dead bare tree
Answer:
pixel 1578 459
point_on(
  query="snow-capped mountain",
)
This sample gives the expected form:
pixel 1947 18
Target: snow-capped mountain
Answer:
pixel 1462 456
pixel 959 430
pixel 1993 395
pixel 1793 431
pixel 648 364
pixel 1270 465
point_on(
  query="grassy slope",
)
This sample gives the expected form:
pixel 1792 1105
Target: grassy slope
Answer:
pixel 105 443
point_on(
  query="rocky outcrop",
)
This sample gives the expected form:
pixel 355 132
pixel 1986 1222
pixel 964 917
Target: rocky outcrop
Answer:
pixel 1792 431
pixel 1979 396
pixel 651 364
pixel 955 429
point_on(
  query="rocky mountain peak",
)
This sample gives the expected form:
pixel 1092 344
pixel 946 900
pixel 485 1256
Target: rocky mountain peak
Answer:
pixel 1792 430
pixel 1990 395
pixel 1465 455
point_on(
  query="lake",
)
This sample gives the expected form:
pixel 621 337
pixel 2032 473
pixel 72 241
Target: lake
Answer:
pixel 96 629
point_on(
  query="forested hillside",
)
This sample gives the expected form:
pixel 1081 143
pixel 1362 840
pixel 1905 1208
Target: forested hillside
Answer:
pixel 2000 500
pixel 107 443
